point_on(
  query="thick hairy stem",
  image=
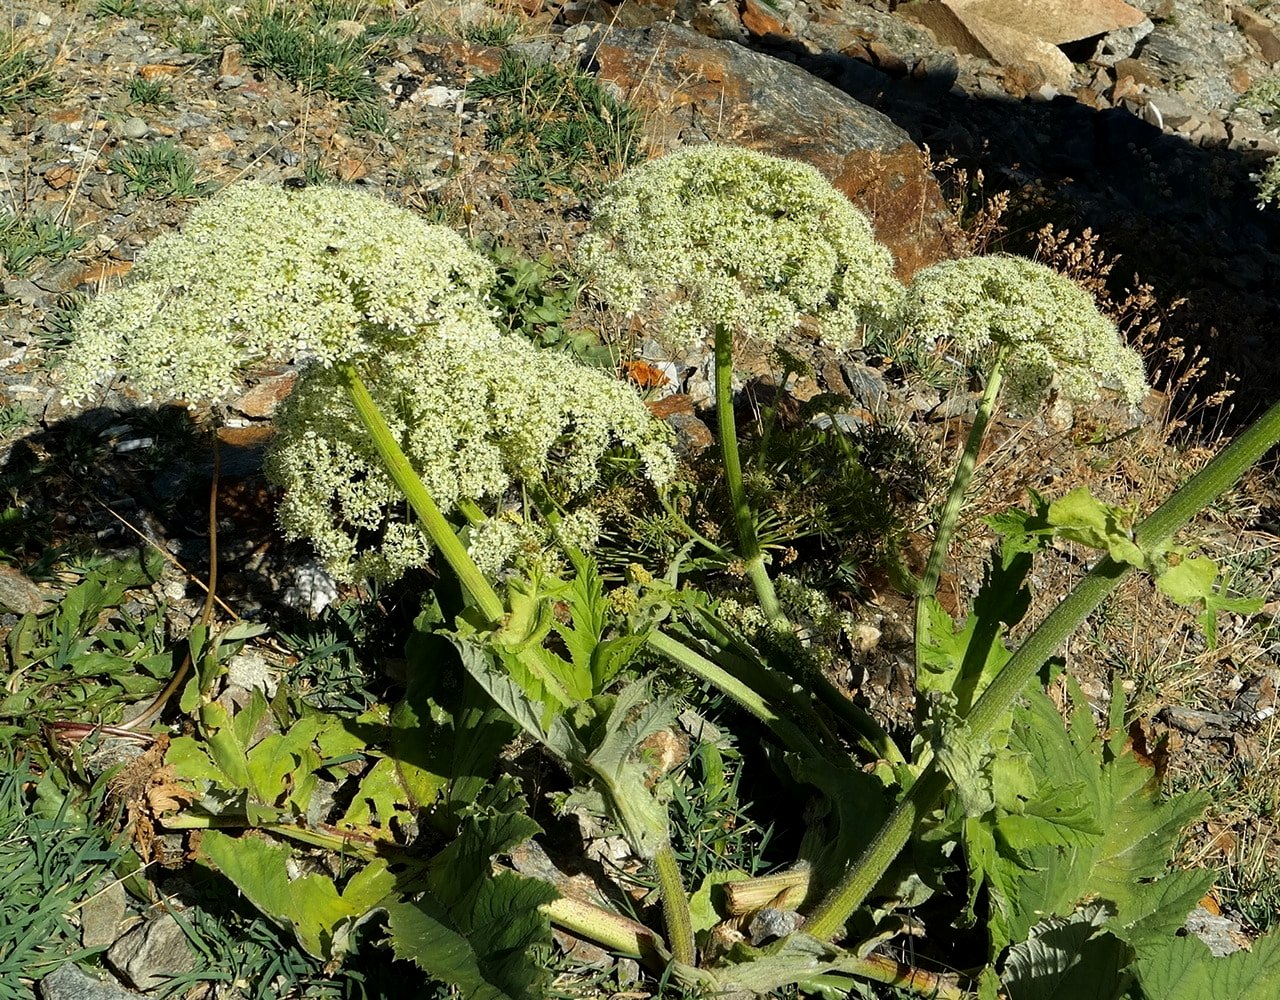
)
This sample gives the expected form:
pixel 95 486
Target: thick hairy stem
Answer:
pixel 675 906
pixel 928 586
pixel 1201 490
pixel 748 541
pixel 441 531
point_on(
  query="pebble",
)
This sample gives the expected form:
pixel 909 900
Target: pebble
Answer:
pixel 134 128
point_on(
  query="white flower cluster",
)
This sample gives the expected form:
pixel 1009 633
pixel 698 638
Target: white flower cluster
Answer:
pixel 1053 334
pixel 475 422
pixel 1269 183
pixel 263 273
pixel 722 235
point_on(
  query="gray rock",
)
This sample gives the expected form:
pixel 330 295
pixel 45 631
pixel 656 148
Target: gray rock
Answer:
pixel 18 593
pixel 101 915
pixel 1119 44
pixel 134 128
pixel 152 953
pixel 26 292
pixel 70 982
pixel 866 385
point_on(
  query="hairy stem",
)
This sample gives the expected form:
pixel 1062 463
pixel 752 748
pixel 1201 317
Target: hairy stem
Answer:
pixel 441 531
pixel 675 906
pixel 1201 490
pixel 748 541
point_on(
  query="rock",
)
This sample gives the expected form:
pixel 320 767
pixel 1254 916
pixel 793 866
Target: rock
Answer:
pixel 70 982
pixel 152 953
pixel 101 915
pixel 1172 110
pixel 1027 31
pixel 134 128
pixel 1261 31
pixel 260 401
pixel 1120 44
pixel 19 593
pixel 684 81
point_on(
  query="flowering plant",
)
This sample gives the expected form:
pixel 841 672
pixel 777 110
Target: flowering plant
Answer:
pixel 731 242
pixel 263 273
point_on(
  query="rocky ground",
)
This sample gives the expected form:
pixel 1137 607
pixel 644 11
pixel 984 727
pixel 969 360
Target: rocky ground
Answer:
pixel 1147 131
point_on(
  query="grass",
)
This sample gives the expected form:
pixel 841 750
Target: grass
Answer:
pixel 562 127
pixel 52 857
pixel 23 241
pixel 149 92
pixel 298 42
pixel 24 74
pixel 160 170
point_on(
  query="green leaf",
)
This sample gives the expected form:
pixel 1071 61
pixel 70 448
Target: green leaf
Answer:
pixel 1183 968
pixel 1066 958
pixel 321 917
pixel 474 929
pixel 1079 824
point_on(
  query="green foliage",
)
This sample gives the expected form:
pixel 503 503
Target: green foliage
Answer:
pixel 23 241
pixel 51 859
pixel 322 917
pixel 562 127
pixel 160 170
pixel 492 29
pixel 301 43
pixel 1182 968
pixel 535 298
pixel 479 931
pixel 149 92
pixel 24 74
pixel 87 654
pixel 14 417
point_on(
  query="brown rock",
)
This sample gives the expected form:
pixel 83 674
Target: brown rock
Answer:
pixel 1240 80
pixel 1054 21
pixel 1137 71
pixel 887 59
pixel 262 399
pixel 730 94
pixel 1261 30
pixel 232 61
pixel 60 176
pixel 763 22
pixel 1023 79
pixel 351 169
pixel 102 271
pixel 245 437
pixel 156 70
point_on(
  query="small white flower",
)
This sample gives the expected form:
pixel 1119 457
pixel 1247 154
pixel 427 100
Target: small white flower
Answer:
pixel 262 273
pixel 1050 327
pixel 721 235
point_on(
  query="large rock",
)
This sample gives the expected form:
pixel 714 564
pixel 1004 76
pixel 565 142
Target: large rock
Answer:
pixel 696 89
pixel 1012 32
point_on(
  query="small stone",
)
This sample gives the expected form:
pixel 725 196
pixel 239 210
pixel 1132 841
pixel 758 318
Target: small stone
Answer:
pixel 261 401
pixel 231 63
pixel 1261 30
pixel 152 953
pixel 134 128
pixel 60 176
pixel 101 915
pixel 157 70
pixel 18 593
pixel 249 670
pixel 70 982
pixel 229 81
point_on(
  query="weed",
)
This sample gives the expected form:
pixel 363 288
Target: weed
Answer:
pixel 52 858
pixel 13 417
pixel 562 126
pixel 332 655
pixel 149 92
pixel 23 73
pixel 88 653
pixel 297 42
pixel 23 241
pixel 1264 96
pixel 369 116
pixel 161 170
pixel 535 298
pixel 117 8
pixel 495 29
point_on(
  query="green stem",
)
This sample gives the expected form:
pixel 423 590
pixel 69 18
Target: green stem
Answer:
pixel 613 931
pixel 441 531
pixel 1201 490
pixel 747 697
pixel 675 906
pixel 752 556
pixel 928 586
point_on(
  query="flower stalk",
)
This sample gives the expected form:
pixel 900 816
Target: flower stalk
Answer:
pixel 442 534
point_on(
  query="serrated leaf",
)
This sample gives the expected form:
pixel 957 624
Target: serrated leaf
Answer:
pixel 320 916
pixel 1183 968
pixel 473 929
pixel 1066 958
pixel 1094 828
